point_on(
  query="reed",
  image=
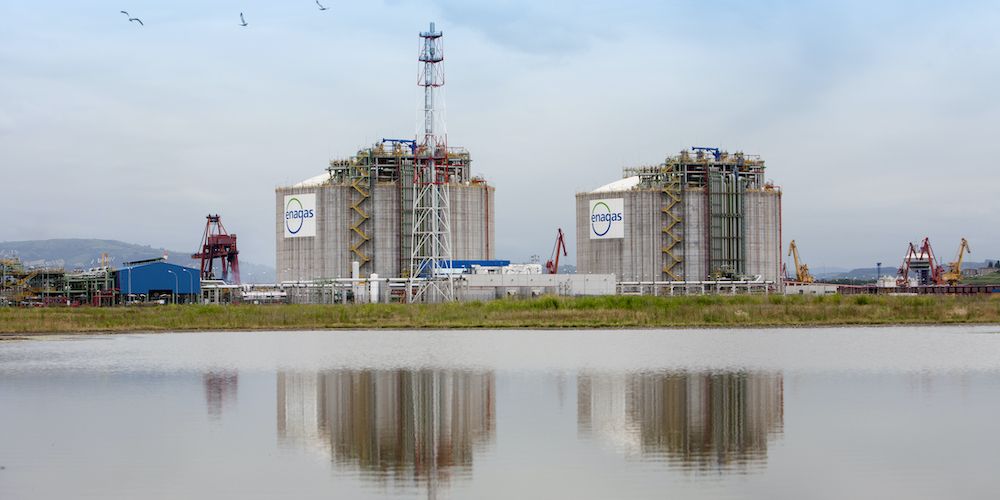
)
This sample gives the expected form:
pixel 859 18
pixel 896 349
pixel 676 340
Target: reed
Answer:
pixel 543 312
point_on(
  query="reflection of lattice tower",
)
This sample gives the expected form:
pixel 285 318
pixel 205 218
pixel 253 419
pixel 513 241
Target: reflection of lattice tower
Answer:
pixel 430 255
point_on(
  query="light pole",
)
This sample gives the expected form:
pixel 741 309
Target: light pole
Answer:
pixel 175 285
pixel 190 280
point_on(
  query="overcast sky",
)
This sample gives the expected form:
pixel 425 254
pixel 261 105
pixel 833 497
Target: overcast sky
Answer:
pixel 878 119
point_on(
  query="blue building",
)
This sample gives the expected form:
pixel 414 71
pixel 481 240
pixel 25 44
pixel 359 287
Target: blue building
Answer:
pixel 155 279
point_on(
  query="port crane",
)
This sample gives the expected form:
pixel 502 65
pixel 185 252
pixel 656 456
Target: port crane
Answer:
pixel 922 262
pixel 801 270
pixel 217 243
pixel 552 265
pixel 954 273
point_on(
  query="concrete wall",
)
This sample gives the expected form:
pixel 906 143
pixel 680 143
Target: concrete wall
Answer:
pixel 639 255
pixel 328 254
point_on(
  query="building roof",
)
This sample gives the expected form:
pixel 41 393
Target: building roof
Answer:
pixel 619 185
pixel 318 180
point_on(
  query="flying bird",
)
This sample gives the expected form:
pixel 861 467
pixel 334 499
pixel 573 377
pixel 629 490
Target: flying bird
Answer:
pixel 126 13
pixel 243 22
pixel 136 20
pixel 321 7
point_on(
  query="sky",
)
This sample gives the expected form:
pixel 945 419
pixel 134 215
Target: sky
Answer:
pixel 878 120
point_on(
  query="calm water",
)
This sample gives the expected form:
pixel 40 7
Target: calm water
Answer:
pixel 809 413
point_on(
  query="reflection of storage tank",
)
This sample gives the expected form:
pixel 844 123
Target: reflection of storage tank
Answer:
pixel 696 216
pixel 410 424
pixel 698 420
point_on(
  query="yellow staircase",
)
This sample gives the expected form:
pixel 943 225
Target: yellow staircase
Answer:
pixel 359 223
pixel 671 240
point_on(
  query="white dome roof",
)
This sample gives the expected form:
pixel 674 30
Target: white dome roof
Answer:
pixel 319 180
pixel 619 185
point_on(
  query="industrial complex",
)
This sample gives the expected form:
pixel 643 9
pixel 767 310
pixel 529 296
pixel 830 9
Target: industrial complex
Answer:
pixel 409 220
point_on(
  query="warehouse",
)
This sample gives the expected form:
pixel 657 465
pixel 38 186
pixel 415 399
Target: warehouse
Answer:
pixel 151 280
pixel 703 215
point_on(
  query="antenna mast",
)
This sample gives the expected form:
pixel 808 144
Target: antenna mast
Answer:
pixel 430 257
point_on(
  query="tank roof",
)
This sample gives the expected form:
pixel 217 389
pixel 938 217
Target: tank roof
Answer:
pixel 619 185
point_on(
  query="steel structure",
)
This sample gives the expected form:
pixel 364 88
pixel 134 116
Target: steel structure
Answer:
pixel 430 248
pixel 217 243
pixel 922 264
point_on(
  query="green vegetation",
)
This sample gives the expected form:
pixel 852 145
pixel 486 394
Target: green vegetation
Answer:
pixel 984 279
pixel 545 312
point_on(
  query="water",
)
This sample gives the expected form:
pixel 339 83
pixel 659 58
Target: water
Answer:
pixel 817 413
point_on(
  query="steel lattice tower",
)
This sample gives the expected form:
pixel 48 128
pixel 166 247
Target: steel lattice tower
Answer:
pixel 430 256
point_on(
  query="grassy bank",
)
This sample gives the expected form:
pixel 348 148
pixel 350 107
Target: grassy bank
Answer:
pixel 546 312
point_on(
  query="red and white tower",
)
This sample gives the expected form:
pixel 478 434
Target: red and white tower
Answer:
pixel 430 257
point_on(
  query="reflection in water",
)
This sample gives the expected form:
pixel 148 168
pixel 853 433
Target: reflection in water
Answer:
pixel 699 420
pixel 220 391
pixel 415 425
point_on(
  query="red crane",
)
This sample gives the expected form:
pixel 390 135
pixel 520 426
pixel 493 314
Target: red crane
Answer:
pixel 552 265
pixel 216 243
pixel 923 263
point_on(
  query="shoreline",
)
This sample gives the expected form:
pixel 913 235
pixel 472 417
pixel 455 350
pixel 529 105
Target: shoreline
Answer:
pixel 545 313
pixel 671 328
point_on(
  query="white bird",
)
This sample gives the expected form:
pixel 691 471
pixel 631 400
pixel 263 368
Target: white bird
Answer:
pixel 135 20
pixel 321 7
pixel 243 22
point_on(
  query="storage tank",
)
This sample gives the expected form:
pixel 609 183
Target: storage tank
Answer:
pixel 700 215
pixel 361 210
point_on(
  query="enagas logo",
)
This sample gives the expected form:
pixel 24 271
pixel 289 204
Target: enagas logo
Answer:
pixel 300 215
pixel 295 215
pixel 607 219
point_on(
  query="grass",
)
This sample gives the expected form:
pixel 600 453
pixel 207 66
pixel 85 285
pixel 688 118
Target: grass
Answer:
pixel 984 279
pixel 544 312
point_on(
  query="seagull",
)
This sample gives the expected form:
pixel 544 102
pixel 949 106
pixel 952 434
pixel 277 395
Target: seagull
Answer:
pixel 243 22
pixel 137 20
pixel 321 6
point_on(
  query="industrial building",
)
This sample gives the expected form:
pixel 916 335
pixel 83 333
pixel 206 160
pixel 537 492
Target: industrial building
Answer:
pixel 157 280
pixel 702 215
pixel 401 209
pixel 361 209
pixel 136 282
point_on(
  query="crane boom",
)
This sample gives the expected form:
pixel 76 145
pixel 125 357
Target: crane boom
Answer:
pixel 801 270
pixel 954 273
pixel 552 265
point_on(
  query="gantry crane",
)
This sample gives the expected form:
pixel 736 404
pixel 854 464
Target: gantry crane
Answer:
pixel 217 243
pixel 801 270
pixel 552 265
pixel 922 263
pixel 954 273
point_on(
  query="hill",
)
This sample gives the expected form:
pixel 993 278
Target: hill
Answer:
pixel 78 253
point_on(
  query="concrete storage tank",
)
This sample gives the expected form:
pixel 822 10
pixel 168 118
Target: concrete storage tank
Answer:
pixel 702 216
pixel 361 209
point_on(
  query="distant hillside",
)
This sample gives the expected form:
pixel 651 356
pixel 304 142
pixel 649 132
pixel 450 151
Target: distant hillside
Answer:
pixel 86 253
